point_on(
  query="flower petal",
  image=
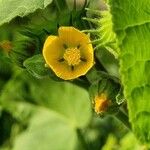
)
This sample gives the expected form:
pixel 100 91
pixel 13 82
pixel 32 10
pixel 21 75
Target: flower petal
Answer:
pixel 52 50
pixel 87 53
pixel 72 37
pixel 64 71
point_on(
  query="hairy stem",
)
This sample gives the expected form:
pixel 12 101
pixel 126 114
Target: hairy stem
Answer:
pixel 120 115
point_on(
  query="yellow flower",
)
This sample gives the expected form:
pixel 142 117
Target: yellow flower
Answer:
pixel 101 103
pixel 70 54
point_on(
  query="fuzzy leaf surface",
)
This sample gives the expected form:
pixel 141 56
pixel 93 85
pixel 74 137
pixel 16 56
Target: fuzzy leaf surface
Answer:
pixel 132 24
pixel 12 8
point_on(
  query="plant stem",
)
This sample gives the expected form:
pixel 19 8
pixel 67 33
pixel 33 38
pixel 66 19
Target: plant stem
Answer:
pixel 120 115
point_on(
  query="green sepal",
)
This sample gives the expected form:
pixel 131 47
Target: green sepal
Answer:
pixel 22 50
pixel 105 37
pixel 40 32
pixel 109 87
pixel 5 65
pixel 95 75
pixel 36 66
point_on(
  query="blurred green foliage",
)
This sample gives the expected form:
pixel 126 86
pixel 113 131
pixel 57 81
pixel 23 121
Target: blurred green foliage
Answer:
pixel 44 114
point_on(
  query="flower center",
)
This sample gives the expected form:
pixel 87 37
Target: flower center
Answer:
pixel 72 56
pixel 101 103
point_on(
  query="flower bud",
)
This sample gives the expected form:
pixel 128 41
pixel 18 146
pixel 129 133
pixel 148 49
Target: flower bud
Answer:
pixel 103 94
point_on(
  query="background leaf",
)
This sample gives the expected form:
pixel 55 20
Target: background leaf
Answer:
pixel 11 8
pixel 47 130
pixel 69 100
pixel 51 111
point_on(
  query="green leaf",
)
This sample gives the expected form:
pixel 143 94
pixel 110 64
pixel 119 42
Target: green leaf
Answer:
pixel 12 8
pixel 36 66
pixel 132 24
pixel 129 141
pixel 47 130
pixel 54 111
pixel 67 99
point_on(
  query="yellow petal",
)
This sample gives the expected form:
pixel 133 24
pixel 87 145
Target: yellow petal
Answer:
pixel 52 50
pixel 64 71
pixel 87 53
pixel 72 37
